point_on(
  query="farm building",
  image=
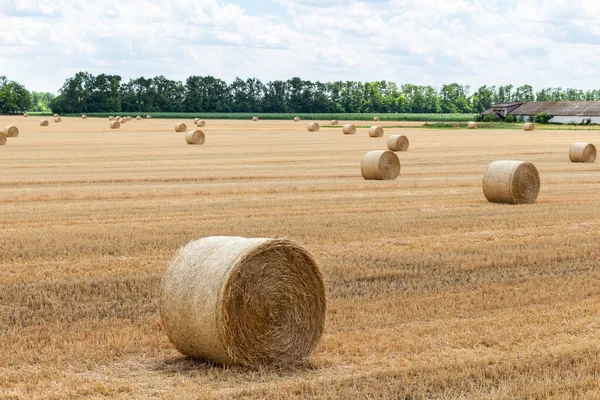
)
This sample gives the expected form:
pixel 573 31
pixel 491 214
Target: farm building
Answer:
pixel 563 112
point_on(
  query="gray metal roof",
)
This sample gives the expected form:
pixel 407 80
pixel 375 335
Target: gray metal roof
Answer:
pixel 560 108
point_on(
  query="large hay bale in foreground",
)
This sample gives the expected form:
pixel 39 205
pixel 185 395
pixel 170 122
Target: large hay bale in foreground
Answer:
pixel 2 139
pixel 10 131
pixel 296 119
pixel 334 122
pixel 349 129
pixel 58 120
pixel 201 123
pixel 243 301
pixel 376 131
pixel 472 125
pixel 254 119
pixel 530 126
pixel 582 152
pixel 513 182
pixel 84 116
pixel 195 137
pixel 382 165
pixel 313 127
pixel 44 122
pixel 398 143
pixel 180 127
pixel 115 125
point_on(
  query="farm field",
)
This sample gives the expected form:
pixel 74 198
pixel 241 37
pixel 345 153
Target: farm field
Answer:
pixel 433 291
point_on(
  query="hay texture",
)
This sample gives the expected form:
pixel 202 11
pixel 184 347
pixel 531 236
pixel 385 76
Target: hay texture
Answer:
pixel 84 116
pixel 582 153
pixel 56 115
pixel 122 121
pixel 296 119
pixel 115 125
pixel 376 119
pixel 254 119
pixel 398 143
pixel 530 126
pixel 111 118
pixel 44 122
pixel 381 165
pixel 251 302
pixel 376 131
pixel 334 122
pixel 148 116
pixel 58 120
pixel 180 127
pixel 2 139
pixel 513 182
pixel 349 129
pixel 26 115
pixel 10 131
pixel 195 137
pixel 472 125
pixel 201 123
pixel 138 118
pixel 313 127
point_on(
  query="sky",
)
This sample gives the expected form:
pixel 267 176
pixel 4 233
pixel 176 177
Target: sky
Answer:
pixel 544 43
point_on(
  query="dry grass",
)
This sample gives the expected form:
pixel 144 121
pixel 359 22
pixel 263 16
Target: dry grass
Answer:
pixel 433 291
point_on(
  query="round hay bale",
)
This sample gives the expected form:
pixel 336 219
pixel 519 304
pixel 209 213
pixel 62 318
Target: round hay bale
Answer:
pixel 115 125
pixel 148 116
pixel 58 120
pixel 201 124
pixel 10 131
pixel 254 119
pixel 514 182
pixel 243 301
pixel 582 152
pixel 84 116
pixel 296 119
pixel 111 118
pixel 313 127
pixel 334 122
pixel 195 137
pixel 376 131
pixel 472 125
pixel 349 129
pixel 2 139
pixel 530 126
pixel 196 120
pixel 138 118
pixel 382 165
pixel 398 143
pixel 44 122
pixel 26 115
pixel 376 119
pixel 122 121
pixel 56 115
pixel 180 127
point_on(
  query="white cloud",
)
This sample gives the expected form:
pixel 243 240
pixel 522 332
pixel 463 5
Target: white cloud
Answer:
pixel 475 42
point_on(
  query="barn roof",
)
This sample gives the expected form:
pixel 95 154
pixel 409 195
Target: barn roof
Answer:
pixel 560 108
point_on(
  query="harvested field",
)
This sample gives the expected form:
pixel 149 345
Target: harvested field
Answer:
pixel 433 291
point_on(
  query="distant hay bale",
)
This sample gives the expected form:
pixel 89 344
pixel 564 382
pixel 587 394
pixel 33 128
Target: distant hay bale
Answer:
pixel 122 121
pixel 26 115
pixel 254 119
pixel 195 137
pixel 58 120
pixel 472 125
pixel 115 125
pixel 201 123
pixel 44 122
pixel 530 126
pixel 376 131
pixel 582 153
pixel 376 119
pixel 514 182
pixel 296 119
pixel 349 129
pixel 84 116
pixel 382 165
pixel 253 302
pixel 180 127
pixel 111 118
pixel 10 131
pixel 148 116
pixel 313 127
pixel 138 118
pixel 196 120
pixel 398 143
pixel 2 139
pixel 56 115
pixel 334 122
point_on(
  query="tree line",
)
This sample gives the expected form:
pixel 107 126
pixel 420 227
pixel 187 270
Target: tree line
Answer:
pixel 86 93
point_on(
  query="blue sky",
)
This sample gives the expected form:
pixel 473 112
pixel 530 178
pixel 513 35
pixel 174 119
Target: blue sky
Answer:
pixel 545 43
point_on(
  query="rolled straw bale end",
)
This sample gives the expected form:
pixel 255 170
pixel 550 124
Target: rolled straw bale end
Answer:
pixel 115 125
pixel 254 119
pixel 201 123
pixel 56 115
pixel 10 131
pixel 530 126
pixel 380 165
pixel 195 137
pixel 58 120
pixel 180 127
pixel 398 143
pixel 334 122
pixel 111 118
pixel 84 116
pixel 296 119
pixel 376 119
pixel 26 115
pixel 349 129
pixel 472 125
pixel 512 182
pixel 44 122
pixel 376 131
pixel 582 152
pixel 148 116
pixel 253 302
pixel 122 121
pixel 2 139
pixel 313 127
pixel 138 118
pixel 196 120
